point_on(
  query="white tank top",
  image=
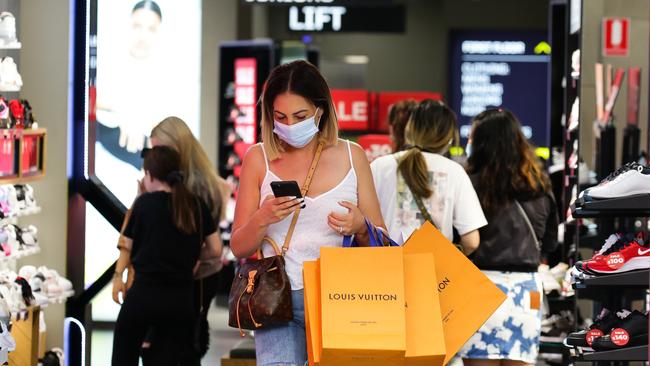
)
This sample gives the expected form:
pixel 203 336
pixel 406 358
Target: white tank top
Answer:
pixel 312 231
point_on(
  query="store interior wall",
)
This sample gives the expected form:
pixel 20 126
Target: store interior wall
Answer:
pixel 418 58
pixel 43 28
pixel 219 25
pixel 639 13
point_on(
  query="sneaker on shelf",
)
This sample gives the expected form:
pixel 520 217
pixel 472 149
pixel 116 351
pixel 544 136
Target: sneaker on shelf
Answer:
pixel 632 179
pixel 612 244
pixel 612 176
pixel 8 30
pixel 549 282
pixel 631 331
pixel 17 113
pixel 10 79
pixel 30 120
pixel 603 323
pixel 25 290
pixel 53 357
pixel 25 196
pixel 556 327
pixel 6 339
pixel 5 121
pixel 633 256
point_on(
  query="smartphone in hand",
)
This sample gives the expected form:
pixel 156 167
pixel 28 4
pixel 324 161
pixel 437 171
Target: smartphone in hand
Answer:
pixel 286 188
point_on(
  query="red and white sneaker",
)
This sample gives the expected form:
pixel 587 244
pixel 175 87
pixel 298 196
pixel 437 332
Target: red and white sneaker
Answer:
pixel 633 256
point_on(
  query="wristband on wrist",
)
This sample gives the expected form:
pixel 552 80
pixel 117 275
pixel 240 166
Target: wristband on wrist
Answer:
pixel 117 274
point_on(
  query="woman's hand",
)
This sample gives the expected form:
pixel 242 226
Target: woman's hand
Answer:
pixel 349 223
pixel 277 209
pixel 118 287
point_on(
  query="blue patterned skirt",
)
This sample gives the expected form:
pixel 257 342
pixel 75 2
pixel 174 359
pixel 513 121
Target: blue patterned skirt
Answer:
pixel 512 332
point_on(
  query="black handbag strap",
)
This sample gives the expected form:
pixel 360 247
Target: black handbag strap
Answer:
pixel 523 214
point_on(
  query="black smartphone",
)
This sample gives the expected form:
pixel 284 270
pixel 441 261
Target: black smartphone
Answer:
pixel 286 188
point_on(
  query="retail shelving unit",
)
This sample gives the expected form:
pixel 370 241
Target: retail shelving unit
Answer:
pixel 615 290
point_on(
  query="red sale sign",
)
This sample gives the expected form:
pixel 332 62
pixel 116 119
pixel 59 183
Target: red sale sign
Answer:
pixel 616 36
pixel 375 145
pixel 387 99
pixel 351 109
pixel 245 92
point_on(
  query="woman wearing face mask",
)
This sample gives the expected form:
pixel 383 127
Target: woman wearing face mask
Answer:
pixel 421 184
pixel 298 118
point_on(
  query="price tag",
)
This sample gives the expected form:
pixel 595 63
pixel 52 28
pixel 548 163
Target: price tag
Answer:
pixel 593 334
pixel 615 260
pixel 620 337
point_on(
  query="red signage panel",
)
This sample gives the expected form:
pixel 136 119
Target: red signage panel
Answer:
pixel 375 145
pixel 616 36
pixel 387 99
pixel 352 109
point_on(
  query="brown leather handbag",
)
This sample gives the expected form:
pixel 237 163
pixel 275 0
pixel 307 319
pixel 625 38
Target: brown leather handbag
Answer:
pixel 260 295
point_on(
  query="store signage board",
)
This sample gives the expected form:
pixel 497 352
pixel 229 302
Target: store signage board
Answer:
pixel 340 18
pixel 245 92
pixel 501 69
pixel 616 37
pixel 352 109
pixel 387 99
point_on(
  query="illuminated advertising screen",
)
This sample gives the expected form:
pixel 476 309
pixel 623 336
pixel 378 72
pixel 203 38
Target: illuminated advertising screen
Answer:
pixel 501 69
pixel 144 65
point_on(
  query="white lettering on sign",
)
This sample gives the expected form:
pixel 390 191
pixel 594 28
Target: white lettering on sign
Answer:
pixel 314 18
pixel 494 47
pixel 289 1
pixel 477 89
pixel 357 112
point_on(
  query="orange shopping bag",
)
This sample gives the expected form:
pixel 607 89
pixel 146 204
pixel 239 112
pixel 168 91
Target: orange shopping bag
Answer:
pixel 362 306
pixel 467 297
pixel 311 280
pixel 425 342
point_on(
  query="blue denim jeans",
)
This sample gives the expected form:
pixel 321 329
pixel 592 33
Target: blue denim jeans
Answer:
pixel 284 345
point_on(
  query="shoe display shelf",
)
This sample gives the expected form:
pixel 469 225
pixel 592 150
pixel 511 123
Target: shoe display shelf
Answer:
pixel 22 155
pixel 632 206
pixel 26 332
pixel 619 287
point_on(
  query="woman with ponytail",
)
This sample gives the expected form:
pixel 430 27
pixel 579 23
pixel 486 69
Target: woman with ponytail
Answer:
pixel 420 184
pixel 164 240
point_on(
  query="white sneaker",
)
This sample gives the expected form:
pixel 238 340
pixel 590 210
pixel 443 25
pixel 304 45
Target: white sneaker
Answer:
pixel 8 30
pixel 10 79
pixel 6 339
pixel 628 183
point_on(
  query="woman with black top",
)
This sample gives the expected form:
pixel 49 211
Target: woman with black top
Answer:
pixel 165 237
pixel 516 196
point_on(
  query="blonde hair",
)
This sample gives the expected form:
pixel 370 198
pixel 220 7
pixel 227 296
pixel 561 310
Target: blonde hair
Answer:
pixel 202 178
pixel 303 79
pixel 431 128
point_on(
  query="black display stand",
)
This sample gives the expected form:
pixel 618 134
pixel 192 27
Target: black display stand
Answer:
pixel 615 291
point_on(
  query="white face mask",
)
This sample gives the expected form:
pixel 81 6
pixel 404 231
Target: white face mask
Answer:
pixel 298 134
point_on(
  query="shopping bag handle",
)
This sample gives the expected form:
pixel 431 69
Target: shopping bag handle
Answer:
pixel 376 237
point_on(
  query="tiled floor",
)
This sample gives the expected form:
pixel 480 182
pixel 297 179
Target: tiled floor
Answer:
pixel 222 339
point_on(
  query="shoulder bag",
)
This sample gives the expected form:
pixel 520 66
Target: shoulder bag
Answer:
pixel 260 295
pixel 538 243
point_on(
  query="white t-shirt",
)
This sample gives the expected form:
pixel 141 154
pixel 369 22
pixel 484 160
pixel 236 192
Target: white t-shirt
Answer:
pixel 454 202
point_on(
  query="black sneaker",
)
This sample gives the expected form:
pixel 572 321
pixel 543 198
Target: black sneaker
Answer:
pixel 631 331
pixel 605 321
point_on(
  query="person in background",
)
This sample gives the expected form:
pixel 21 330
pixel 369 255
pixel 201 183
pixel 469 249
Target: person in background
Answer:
pixel 421 172
pixel 164 239
pixel 204 182
pixel 515 193
pixel 398 116
pixel 298 117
